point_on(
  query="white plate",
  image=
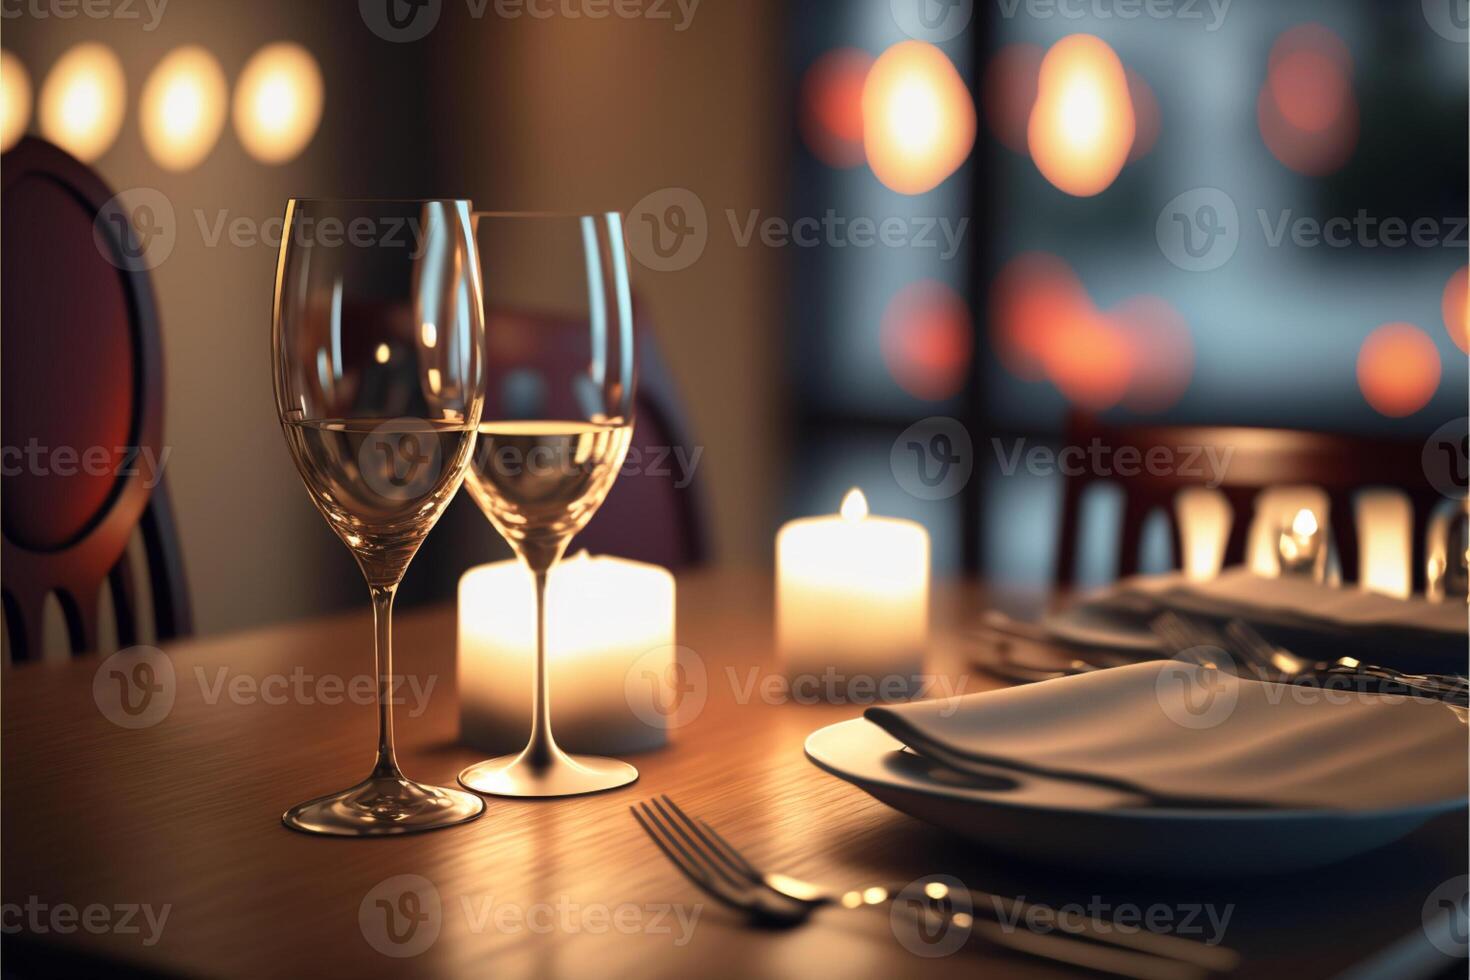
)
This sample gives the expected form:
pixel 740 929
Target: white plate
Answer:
pixel 1080 826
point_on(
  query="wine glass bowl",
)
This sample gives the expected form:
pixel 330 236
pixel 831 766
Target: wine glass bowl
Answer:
pixel 557 424
pixel 377 344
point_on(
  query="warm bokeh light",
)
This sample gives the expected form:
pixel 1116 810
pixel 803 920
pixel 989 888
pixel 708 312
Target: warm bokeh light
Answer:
pixel 1162 352
pixel 1090 361
pixel 278 102
pixel 1008 91
pixel 832 106
pixel 1398 369
pixel 1306 110
pixel 928 340
pixel 15 100
pixel 1204 517
pixel 918 118
pixel 182 110
pixel 1456 308
pixel 1147 121
pixel 1033 298
pixel 1385 522
pixel 1309 73
pixel 1082 127
pixel 83 100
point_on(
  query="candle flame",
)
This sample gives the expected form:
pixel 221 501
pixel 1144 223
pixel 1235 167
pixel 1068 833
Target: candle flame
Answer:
pixel 1304 523
pixel 854 505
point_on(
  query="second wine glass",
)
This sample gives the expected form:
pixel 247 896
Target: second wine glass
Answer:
pixel 557 423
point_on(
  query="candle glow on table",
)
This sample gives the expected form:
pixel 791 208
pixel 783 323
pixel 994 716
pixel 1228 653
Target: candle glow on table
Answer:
pixel 852 596
pixel 610 654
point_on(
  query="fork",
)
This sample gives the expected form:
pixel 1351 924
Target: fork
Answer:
pixel 720 870
pixel 1254 647
pixel 1187 638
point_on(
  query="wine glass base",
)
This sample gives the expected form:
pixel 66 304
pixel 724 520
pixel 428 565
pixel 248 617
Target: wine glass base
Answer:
pixel 382 806
pixel 568 775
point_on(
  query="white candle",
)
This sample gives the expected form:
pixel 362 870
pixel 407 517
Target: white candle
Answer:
pixel 609 654
pixel 852 597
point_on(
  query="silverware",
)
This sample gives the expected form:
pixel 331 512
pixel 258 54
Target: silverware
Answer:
pixel 992 766
pixel 1188 639
pixel 1253 646
pixel 717 868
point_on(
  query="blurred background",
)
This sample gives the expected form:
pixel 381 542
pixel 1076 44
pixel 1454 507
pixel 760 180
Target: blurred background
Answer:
pixel 852 218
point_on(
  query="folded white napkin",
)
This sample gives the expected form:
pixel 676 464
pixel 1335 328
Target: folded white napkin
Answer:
pixel 1313 620
pixel 1175 729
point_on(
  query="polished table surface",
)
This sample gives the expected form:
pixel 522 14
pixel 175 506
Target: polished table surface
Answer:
pixel 185 814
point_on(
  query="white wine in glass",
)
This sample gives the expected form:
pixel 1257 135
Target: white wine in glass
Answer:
pixel 378 346
pixel 557 425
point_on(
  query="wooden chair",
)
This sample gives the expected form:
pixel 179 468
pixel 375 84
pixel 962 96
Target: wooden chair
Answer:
pixel 82 371
pixel 1261 458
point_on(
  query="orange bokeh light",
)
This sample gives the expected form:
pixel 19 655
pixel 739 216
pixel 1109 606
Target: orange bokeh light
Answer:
pixel 1162 352
pixel 1090 361
pixel 1146 118
pixel 1009 91
pixel 1398 369
pixel 1307 112
pixel 832 106
pixel 1082 126
pixel 918 118
pixel 1456 308
pixel 1033 298
pixel 928 340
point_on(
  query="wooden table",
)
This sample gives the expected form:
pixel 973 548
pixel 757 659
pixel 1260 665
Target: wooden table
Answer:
pixel 186 814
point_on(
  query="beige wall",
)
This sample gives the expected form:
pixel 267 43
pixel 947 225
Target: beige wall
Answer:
pixel 597 114
pixel 519 114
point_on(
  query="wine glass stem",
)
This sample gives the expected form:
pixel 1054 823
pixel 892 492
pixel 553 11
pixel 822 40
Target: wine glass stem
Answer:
pixel 541 750
pixel 387 764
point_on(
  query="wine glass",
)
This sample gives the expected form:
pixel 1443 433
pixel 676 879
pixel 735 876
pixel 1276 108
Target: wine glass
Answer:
pixel 378 345
pixel 557 423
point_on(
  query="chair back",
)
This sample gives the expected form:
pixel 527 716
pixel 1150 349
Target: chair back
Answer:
pixel 81 409
pixel 1257 460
